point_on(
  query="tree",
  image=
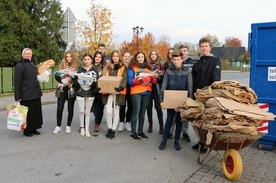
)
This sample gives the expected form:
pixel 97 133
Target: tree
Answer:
pixel 193 48
pixel 146 44
pixel 97 30
pixel 34 24
pixel 214 40
pixel 232 42
pixel 245 58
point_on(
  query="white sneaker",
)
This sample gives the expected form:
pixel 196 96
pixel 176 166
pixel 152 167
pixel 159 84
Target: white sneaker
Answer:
pixel 68 129
pixel 82 132
pixel 128 126
pixel 57 130
pixel 87 134
pixel 121 127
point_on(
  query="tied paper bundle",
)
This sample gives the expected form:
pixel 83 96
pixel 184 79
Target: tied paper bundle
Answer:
pixel 86 79
pixel 44 66
pixel 44 70
pixel 232 90
pixel 146 77
pixel 225 106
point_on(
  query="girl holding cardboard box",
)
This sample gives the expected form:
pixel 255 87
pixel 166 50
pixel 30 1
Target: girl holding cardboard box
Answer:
pixel 112 101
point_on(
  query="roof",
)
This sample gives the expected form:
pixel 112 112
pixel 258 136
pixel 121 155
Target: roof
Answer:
pixel 230 53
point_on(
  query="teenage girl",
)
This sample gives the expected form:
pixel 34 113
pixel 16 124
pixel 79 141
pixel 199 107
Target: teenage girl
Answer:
pixel 115 67
pixel 66 89
pixel 87 79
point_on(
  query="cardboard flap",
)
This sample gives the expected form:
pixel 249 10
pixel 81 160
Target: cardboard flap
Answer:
pixel 174 98
pixel 108 83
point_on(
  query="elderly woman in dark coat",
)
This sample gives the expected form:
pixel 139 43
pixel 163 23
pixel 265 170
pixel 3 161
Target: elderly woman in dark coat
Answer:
pixel 27 91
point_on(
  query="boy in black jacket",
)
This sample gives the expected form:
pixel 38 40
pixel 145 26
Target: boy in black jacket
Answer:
pixel 205 71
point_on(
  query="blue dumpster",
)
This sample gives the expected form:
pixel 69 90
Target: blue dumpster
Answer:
pixel 262 45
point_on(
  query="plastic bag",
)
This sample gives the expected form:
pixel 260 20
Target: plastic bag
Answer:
pixel 44 76
pixel 16 117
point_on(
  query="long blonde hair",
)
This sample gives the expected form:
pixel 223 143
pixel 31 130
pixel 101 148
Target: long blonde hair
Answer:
pixel 74 62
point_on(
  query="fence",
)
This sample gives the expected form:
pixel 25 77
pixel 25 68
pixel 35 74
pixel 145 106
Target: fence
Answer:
pixel 6 80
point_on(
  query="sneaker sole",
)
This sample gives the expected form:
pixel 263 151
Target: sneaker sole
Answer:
pixel 135 139
pixel 143 137
pixel 56 132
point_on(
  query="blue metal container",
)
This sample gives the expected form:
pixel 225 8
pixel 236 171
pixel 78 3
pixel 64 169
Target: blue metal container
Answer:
pixel 262 45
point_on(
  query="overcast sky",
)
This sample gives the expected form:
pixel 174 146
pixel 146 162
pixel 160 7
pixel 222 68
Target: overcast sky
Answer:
pixel 182 20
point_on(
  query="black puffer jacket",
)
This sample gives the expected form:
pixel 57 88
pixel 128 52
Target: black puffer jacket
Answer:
pixel 205 72
pixel 91 92
pixel 26 85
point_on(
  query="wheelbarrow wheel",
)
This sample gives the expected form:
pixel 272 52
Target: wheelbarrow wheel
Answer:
pixel 232 164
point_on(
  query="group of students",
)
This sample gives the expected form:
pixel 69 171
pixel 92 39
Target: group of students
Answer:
pixel 134 97
pixel 130 92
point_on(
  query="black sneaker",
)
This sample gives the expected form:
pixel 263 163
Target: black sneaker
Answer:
pixel 162 145
pixel 177 146
pixel 203 148
pixel 186 137
pixel 135 137
pixel 108 133
pixel 196 146
pixel 142 135
pixel 112 134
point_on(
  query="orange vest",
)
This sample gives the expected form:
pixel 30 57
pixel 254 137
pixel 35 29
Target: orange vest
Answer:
pixel 139 88
pixel 119 74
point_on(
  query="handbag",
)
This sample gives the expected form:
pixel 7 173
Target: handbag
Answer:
pixel 16 117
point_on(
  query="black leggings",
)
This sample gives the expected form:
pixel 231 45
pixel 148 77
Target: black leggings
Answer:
pixel 124 113
pixel 60 106
pixel 98 109
pixel 158 108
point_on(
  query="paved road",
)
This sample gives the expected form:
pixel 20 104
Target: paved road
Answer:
pixel 73 158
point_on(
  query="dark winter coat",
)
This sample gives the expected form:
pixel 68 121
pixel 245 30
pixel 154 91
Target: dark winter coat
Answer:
pixel 177 79
pixel 66 90
pixel 205 72
pixel 91 92
pixel 189 62
pixel 26 85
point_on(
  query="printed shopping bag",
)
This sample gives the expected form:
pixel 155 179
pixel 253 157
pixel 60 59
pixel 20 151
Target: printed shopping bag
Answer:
pixel 17 117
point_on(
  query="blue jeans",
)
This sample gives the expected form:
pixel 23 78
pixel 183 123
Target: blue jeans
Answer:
pixel 178 124
pixel 139 107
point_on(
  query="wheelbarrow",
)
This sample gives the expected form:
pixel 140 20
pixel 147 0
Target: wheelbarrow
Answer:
pixel 232 143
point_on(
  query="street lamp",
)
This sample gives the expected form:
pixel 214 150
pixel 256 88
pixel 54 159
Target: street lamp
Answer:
pixel 137 30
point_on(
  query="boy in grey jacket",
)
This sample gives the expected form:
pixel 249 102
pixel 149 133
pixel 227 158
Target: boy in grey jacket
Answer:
pixel 176 77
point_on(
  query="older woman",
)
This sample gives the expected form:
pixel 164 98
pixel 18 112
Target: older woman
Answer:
pixel 27 91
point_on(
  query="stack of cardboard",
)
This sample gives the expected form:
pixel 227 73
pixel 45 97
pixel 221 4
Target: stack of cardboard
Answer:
pixel 225 106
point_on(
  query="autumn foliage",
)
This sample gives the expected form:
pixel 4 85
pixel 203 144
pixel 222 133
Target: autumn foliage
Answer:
pixel 146 44
pixel 232 42
pixel 97 29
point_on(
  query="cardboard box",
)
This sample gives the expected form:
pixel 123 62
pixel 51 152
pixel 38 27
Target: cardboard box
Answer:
pixel 174 98
pixel 108 83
